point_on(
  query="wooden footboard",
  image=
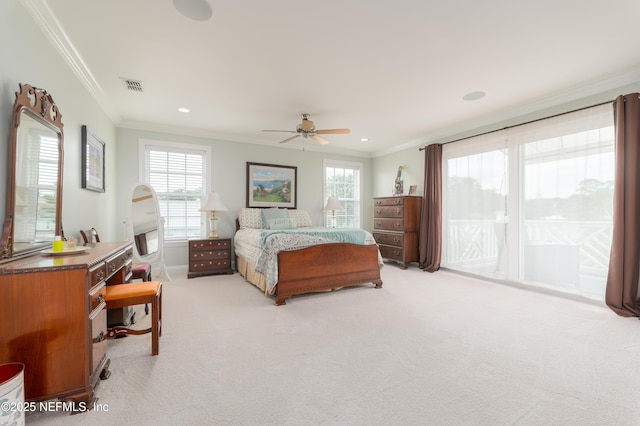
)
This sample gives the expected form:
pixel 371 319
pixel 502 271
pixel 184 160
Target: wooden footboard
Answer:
pixel 325 267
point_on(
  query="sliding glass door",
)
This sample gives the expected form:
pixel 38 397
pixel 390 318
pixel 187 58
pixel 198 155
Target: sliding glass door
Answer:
pixel 533 204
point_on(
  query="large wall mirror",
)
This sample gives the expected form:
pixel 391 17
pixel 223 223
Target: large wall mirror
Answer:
pixel 34 182
pixel 145 227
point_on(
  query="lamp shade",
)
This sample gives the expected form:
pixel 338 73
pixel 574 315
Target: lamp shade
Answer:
pixel 213 202
pixel 333 204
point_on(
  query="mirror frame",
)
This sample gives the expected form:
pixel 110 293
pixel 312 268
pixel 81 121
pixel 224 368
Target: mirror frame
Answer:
pixel 38 105
pixel 156 258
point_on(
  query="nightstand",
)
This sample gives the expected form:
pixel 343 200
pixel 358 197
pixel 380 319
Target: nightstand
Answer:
pixel 209 257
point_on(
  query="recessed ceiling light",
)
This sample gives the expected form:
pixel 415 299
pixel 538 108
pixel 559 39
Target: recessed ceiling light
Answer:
pixel 198 10
pixel 364 140
pixel 474 96
pixel 185 110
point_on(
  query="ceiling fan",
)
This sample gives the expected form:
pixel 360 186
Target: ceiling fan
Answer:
pixel 307 129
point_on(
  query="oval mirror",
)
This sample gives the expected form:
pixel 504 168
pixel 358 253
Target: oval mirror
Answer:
pixel 34 185
pixel 145 228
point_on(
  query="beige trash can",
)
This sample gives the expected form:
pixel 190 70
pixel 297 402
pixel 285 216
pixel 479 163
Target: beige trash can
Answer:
pixel 12 394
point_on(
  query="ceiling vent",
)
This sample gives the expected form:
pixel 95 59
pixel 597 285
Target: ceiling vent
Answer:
pixel 132 85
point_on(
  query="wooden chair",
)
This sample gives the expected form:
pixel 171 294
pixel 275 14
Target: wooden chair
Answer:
pixel 146 292
pixel 90 236
pixel 142 271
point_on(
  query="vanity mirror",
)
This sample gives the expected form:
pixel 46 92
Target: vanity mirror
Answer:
pixel 34 181
pixel 145 227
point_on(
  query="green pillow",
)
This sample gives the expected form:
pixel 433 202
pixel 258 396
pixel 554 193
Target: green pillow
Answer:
pixel 281 223
pixel 274 213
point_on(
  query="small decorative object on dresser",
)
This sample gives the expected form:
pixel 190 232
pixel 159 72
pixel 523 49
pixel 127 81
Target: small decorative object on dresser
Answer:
pixel 209 257
pixel 396 222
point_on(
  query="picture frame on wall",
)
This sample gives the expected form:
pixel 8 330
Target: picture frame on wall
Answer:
pixel 93 161
pixel 271 185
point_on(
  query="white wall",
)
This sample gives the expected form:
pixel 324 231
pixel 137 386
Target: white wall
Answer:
pixel 229 177
pixel 27 56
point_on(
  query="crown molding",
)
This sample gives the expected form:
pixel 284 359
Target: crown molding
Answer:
pixel 49 24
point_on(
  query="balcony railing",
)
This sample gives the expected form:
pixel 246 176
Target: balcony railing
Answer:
pixel 480 247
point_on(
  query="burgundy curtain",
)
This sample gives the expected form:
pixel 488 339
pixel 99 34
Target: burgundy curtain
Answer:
pixel 430 239
pixel 624 267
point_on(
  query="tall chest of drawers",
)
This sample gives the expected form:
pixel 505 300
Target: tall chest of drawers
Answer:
pixel 396 222
pixel 209 257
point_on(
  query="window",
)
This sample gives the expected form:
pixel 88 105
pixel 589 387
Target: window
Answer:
pixel 343 180
pixel 178 174
pixel 533 203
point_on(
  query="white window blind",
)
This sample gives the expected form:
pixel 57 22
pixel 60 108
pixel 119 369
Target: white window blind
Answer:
pixel 36 196
pixel 178 174
pixel 343 180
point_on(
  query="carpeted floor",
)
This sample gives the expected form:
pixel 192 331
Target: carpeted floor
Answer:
pixel 426 349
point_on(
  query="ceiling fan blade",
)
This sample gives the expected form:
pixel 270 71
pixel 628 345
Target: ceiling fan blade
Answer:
pixel 283 131
pixel 333 132
pixel 321 141
pixel 289 139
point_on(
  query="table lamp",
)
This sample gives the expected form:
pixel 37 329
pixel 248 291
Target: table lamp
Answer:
pixel 212 204
pixel 333 204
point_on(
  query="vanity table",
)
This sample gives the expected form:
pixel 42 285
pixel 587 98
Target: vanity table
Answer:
pixel 53 319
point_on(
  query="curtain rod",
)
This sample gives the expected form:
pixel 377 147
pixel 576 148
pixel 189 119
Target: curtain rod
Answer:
pixel 522 124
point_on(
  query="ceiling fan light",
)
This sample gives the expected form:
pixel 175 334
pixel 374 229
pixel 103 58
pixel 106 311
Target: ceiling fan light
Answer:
pixel 198 10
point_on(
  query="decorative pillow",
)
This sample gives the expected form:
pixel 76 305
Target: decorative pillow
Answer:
pixel 281 223
pixel 274 213
pixel 301 218
pixel 250 218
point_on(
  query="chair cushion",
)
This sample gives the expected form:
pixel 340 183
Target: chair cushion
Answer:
pixel 126 291
pixel 141 267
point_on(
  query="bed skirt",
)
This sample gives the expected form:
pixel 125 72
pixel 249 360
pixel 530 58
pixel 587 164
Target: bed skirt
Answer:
pixel 249 273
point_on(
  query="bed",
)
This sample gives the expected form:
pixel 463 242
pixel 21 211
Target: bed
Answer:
pixel 288 256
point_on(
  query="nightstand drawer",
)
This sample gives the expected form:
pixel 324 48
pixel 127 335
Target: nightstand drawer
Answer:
pixel 389 239
pixel 209 255
pixel 212 244
pixel 209 265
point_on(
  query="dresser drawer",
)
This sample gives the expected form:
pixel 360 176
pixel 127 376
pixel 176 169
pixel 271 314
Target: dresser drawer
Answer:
pixel 198 245
pixel 388 211
pixel 388 224
pixel 389 201
pixel 98 321
pixel 389 239
pixel 97 274
pixel 96 296
pixel 117 262
pixel 395 253
pixel 209 255
pixel 209 265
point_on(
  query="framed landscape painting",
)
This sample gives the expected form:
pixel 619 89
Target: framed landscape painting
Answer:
pixel 270 185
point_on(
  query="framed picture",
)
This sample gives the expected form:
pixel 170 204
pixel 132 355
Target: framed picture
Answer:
pixel 269 185
pixel 413 189
pixel 92 161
